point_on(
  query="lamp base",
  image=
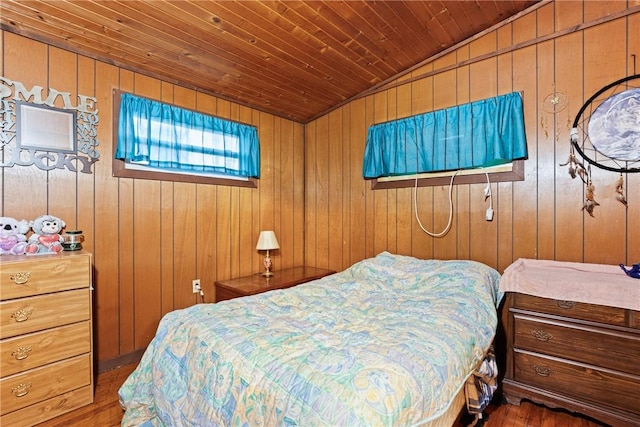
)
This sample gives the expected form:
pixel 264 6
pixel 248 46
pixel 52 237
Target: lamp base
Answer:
pixel 267 265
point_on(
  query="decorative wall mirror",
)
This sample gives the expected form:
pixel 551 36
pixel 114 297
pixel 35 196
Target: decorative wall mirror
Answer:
pixel 44 128
pixel 34 131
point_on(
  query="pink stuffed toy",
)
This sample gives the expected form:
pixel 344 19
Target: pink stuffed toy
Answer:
pixel 13 240
pixel 46 237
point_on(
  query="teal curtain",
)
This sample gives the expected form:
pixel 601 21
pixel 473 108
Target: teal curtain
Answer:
pixel 164 136
pixel 474 135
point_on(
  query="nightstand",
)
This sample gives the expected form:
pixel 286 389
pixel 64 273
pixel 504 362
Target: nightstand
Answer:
pixel 257 283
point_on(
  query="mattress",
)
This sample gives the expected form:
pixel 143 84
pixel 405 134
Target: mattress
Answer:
pixel 388 341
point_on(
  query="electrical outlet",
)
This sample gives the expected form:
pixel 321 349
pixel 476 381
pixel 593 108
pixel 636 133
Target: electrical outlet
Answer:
pixel 196 286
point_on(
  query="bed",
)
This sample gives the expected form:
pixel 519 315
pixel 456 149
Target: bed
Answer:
pixel 392 340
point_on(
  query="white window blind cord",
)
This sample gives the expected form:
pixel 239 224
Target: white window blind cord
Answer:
pixel 487 194
pixel 415 205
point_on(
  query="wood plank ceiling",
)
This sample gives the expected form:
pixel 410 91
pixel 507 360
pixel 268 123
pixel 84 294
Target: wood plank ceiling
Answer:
pixel 293 59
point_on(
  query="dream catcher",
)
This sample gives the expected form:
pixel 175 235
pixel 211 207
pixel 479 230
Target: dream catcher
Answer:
pixel 554 103
pixel 606 134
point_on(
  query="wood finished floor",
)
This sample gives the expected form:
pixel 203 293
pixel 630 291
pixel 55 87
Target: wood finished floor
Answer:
pixel 106 411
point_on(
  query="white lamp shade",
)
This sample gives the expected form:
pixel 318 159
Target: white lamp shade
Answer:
pixel 267 241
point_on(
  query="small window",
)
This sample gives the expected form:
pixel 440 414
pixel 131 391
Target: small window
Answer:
pixel 485 136
pixel 154 140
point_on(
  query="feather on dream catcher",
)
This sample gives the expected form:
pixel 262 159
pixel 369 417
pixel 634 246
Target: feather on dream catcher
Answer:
pixel 606 134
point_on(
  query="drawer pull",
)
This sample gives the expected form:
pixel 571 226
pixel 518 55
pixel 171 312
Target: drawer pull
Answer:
pixel 21 277
pixel 21 353
pixel 22 315
pixel 61 267
pixel 567 305
pixel 543 371
pixel 21 390
pixel 542 335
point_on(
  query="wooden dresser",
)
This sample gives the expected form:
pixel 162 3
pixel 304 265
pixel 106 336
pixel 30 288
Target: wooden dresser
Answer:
pixel 46 345
pixel 578 356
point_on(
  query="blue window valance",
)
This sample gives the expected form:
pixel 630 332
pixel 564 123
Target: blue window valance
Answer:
pixel 479 134
pixel 164 136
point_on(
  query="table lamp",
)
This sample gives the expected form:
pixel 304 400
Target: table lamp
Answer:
pixel 267 241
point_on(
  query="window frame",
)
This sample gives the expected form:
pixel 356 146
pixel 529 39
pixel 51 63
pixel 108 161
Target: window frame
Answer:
pixel 514 172
pixel 120 170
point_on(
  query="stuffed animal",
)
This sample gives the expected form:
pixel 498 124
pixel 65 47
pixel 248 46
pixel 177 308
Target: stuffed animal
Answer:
pixel 46 237
pixel 13 240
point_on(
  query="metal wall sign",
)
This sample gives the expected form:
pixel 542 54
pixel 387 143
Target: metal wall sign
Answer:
pixel 36 131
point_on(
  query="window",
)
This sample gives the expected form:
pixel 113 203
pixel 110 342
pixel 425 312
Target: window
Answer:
pixel 155 140
pixel 482 134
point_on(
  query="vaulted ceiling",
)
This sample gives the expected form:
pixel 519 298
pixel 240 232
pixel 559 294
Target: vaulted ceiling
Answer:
pixel 293 59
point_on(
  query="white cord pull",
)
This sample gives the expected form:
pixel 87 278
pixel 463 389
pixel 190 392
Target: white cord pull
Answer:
pixel 487 193
pixel 489 215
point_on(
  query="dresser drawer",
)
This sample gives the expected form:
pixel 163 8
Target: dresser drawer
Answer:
pixel 35 275
pixel 32 350
pixel 25 389
pixel 606 348
pixel 33 314
pixel 50 408
pixel 575 310
pixel 580 381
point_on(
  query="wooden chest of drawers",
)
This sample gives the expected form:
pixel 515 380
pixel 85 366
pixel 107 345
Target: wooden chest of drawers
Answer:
pixel 46 351
pixel 577 356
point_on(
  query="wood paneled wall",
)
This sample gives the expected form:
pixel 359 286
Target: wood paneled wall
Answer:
pixel 565 46
pixel 150 239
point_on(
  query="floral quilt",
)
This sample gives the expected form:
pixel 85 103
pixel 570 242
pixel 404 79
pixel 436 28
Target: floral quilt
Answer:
pixel 387 342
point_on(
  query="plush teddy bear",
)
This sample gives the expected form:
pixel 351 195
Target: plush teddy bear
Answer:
pixel 46 237
pixel 13 240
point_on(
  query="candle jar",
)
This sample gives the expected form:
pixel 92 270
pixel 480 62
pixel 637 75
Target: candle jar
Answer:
pixel 72 240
